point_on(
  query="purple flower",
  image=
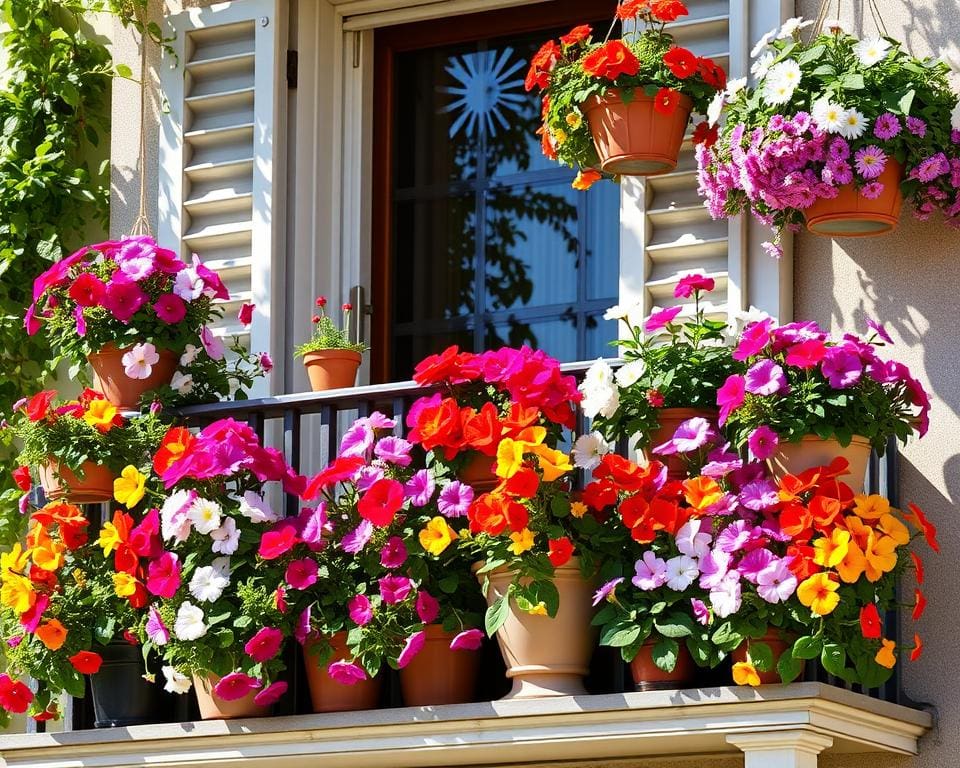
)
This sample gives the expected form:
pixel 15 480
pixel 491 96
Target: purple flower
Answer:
pixel 872 191
pixel 427 606
pixel 931 168
pixel 358 439
pixel 271 694
pixel 721 462
pixel 411 648
pixel 395 589
pixel 730 396
pixel 870 161
pixel 313 525
pixel 725 597
pixel 758 495
pixel 266 362
pixel 346 672
pixel 713 568
pixel 378 420
pixel 773 250
pixel 455 499
pixel 357 539
pixel 886 126
pixel 700 611
pixel 755 561
pixel 361 612
pixel 394 450
pixel 839 149
pixel 157 631
pixel 841 367
pixel 776 583
pixel 367 476
pixel 765 377
pixel 80 320
pixel 235 686
pixel 651 572
pixel 419 488
pixel 735 536
pixel 606 591
pixel 879 330
pixel 394 553
pixel 468 640
pixel 916 126
pixel 754 339
pixel 661 318
pixel 690 436
pixel 763 442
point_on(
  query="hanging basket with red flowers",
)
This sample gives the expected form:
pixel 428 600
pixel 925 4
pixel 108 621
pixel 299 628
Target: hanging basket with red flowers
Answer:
pixel 621 106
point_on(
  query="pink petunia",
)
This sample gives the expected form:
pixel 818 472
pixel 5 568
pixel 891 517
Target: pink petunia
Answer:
pixel 163 575
pixel 395 589
pixel 428 607
pixel 357 539
pixel 691 283
pixel 806 354
pixel 763 442
pixel 394 450
pixel 277 541
pixel 361 612
pixel 411 648
pixel 730 396
pixel 271 694
pixel 157 631
pixel 468 640
pixel 754 339
pixel 420 488
pixel 690 436
pixel 264 645
pixel 170 308
pixel 211 344
pixel 765 377
pixel 245 315
pixel 30 619
pixel 235 686
pixel 842 367
pixel 661 318
pixel 80 320
pixel 393 554
pixel 303 631
pixel 123 299
pixel 700 611
pixel 346 672
pixel 301 573
pixel 455 499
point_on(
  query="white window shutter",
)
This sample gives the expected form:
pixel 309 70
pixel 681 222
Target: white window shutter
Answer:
pixel 220 169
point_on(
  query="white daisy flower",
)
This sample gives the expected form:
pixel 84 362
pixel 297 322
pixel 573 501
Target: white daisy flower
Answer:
pixel 177 682
pixel 628 374
pixel 761 66
pixel 205 515
pixel 207 584
pixel 189 624
pixel 735 86
pixel 588 449
pixel 792 26
pixel 869 52
pixel 763 42
pixel 854 124
pixel 781 81
pixel 715 108
pixel 829 116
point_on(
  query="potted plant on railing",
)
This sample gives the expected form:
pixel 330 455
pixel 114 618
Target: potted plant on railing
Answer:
pixel 622 106
pixel 214 616
pixel 128 307
pixel 836 133
pixel 79 447
pixel 673 368
pixel 807 398
pixel 330 357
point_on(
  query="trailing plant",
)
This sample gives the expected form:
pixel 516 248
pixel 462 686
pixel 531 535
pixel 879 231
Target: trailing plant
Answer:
pixel 327 334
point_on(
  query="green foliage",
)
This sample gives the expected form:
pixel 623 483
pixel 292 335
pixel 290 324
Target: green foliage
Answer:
pixel 328 335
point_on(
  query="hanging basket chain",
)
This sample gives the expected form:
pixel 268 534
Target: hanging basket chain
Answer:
pixel 141 226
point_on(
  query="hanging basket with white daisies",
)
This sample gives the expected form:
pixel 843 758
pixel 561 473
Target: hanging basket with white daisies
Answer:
pixel 836 133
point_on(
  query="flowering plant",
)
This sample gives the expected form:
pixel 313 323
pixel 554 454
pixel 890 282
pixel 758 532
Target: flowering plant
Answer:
pixel 374 559
pixel 327 334
pixel 213 608
pixel 800 381
pixel 127 292
pixel 826 113
pixel 680 364
pixel 575 68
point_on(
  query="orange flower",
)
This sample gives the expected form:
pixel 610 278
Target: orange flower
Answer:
pixel 853 564
pixel 885 656
pixel 896 530
pixel 630 9
pixel 745 673
pixel 831 550
pixel 819 594
pixel 586 179
pixel 881 555
pixel 172 447
pixel 68 518
pixel 917 647
pixel 102 415
pixel 871 507
pixel 116 533
pixel 918 565
pixel 920 521
pixel 921 604
pixel 825 511
pixel 541 65
pixel 52 634
pixel 611 60
pixel 701 492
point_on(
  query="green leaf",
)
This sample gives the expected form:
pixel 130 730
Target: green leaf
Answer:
pixel 811 54
pixel 665 654
pixel 852 82
pixel 789 668
pixel 448 584
pixel 676 625
pixel 620 636
pixel 761 656
pixel 807 647
pixel 906 101
pixel 560 506
pixel 834 659
pixel 73 683
pixel 726 638
pixel 124 71
pixel 497 614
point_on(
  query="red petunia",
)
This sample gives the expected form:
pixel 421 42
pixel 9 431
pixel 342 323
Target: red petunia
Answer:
pixel 541 65
pixel 435 368
pixel 918 565
pixel 918 518
pixel 705 134
pixel 21 476
pixel 712 73
pixel 88 290
pixel 278 541
pixel 561 550
pixel 668 10
pixel 681 62
pixel 917 647
pixel 38 405
pixel 666 101
pixel 870 625
pixel 524 483
pixel 14 695
pixel 577 35
pixel 611 60
pixel 381 502
pixel 343 468
pixel 86 662
pixel 630 9
pixel 921 604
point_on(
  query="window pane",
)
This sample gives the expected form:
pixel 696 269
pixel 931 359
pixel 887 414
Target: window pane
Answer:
pixel 409 350
pixel 602 246
pixel 600 333
pixel 557 337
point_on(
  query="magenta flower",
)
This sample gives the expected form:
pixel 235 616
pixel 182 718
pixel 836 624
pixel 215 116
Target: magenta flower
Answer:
pixel 765 377
pixel 455 499
pixel 754 339
pixel 302 631
pixel 713 568
pixel 301 573
pixel 157 631
pixel 394 450
pixel 468 640
pixel 841 367
pixel 411 648
pixel 759 495
pixel 879 330
pixel 886 126
pixel 369 476
pixel 763 442
pixel 30 619
pixel 357 539
pixel 755 561
pixel 361 612
pixel 605 592
pixel 721 462
pixel 277 541
pixel 690 436
pixel 393 554
pixel 428 607
pixel 691 283
pixel 735 536
pixel 916 126
pixel 419 488
pixel 870 161
pixel 123 299
pixel 245 315
pixel 661 318
pixel 806 354
pixel 271 694
pixel 212 345
pixel 235 686
pixel 651 572
pixel 170 308
pixel 872 191
pixel 163 575
pixel 264 645
pixel 700 611
pixel 346 672
pixel 266 362
pixel 314 525
pixel 395 589
pixel 358 439
pixel 776 583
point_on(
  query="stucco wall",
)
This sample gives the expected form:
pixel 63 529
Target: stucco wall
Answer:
pixel 910 281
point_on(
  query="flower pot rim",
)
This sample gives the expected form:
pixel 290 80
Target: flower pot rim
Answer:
pixel 572 564
pixel 331 353
pixel 612 96
pixel 111 349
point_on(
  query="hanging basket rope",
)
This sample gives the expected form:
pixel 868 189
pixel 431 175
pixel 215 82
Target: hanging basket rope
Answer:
pixel 141 225
pixel 870 5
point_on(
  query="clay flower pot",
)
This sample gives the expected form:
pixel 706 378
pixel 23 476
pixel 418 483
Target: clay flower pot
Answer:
pixel 439 675
pixel 778 643
pixel 478 473
pixel 813 451
pixel 332 368
pixel 647 676
pixel 850 214
pixel 61 483
pixel 547 656
pixel 326 694
pixel 121 696
pixel 110 379
pixel 635 139
pixel 212 707
pixel 669 419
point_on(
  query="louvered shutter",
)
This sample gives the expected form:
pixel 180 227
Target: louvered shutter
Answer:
pixel 220 160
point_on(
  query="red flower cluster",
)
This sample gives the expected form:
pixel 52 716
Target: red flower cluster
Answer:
pixel 611 60
pixel 541 65
pixel 663 11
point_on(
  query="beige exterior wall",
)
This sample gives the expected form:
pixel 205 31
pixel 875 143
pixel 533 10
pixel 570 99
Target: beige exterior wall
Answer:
pixel 909 281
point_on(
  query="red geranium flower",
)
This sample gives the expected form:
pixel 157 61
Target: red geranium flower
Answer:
pixel 917 647
pixel 14 695
pixel 705 134
pixel 21 476
pixel 611 60
pixel 712 73
pixel 681 62
pixel 630 9
pixel 918 565
pixel 666 101
pixel 577 35
pixel 921 604
pixel 542 64
pixel 86 662
pixel 561 550
pixel 38 405
pixel 668 10
pixel 870 622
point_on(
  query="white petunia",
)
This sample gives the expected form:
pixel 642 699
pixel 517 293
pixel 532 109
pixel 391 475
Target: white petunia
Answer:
pixel 616 312
pixel 682 571
pixel 207 584
pixel 854 124
pixel 691 541
pixel 182 382
pixel 735 86
pixel 763 42
pixel 751 315
pixel 139 361
pixel 174 523
pixel 869 52
pixel 188 285
pixel 226 538
pixel 256 510
pixel 600 394
pixel 761 66
pixel 715 109
pixel 189 624
pixel 828 116
pixel 588 449
pixel 628 374
pixel 190 353
pixel 955 117
pixel 205 515
pixel 177 682
pixel 792 26
pixel 951 57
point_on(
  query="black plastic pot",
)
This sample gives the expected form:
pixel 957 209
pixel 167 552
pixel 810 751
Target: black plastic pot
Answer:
pixel 121 696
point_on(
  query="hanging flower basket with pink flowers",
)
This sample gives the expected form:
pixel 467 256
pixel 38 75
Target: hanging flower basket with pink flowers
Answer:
pixel 835 134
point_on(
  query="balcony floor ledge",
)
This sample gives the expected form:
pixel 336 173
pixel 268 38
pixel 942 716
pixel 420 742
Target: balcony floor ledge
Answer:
pixel 591 729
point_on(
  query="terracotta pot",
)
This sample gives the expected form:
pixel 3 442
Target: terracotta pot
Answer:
pixel 332 368
pixel 670 419
pixel 326 693
pixel 647 676
pixel 813 451
pixel 547 656
pixel 110 379
pixel 634 139
pixel 850 214
pixel 438 675
pixel 60 482
pixel 778 643
pixel 212 707
pixel 478 473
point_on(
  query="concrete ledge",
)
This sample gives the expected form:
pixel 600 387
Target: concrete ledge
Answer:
pixel 587 728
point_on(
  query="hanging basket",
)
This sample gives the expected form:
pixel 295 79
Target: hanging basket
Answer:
pixel 110 379
pixel 59 482
pixel 850 214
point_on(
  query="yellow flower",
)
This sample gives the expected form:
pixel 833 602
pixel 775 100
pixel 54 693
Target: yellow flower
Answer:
pixel 819 594
pixel 17 593
pixel 871 507
pixel 578 509
pixel 100 414
pixel 115 533
pixel 553 463
pixel 745 673
pixel 436 536
pixel 540 609
pixel 509 458
pixel 129 488
pixel 831 551
pixel 532 436
pixel 14 560
pixel 559 136
pixel 853 564
pixel 522 541
pixel 881 554
pixel 124 584
pixel 885 656
pixel 896 530
pixel 574 119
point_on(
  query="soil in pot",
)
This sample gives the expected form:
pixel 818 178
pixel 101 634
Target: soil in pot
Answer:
pixel 212 707
pixel 438 675
pixel 812 451
pixel 121 696
pixel 60 482
pixel 647 676
pixel 850 214
pixel 331 368
pixel 326 694
pixel 110 379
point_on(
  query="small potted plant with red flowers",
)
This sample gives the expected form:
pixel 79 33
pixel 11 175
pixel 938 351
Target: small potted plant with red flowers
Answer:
pixel 621 106
pixel 330 357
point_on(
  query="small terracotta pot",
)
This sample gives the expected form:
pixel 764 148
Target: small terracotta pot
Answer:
pixel 778 644
pixel 110 379
pixel 647 676
pixel 635 139
pixel 850 214
pixel 60 482
pixel 438 675
pixel 812 451
pixel 669 419
pixel 212 707
pixel 547 656
pixel 478 473
pixel 332 368
pixel 326 693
